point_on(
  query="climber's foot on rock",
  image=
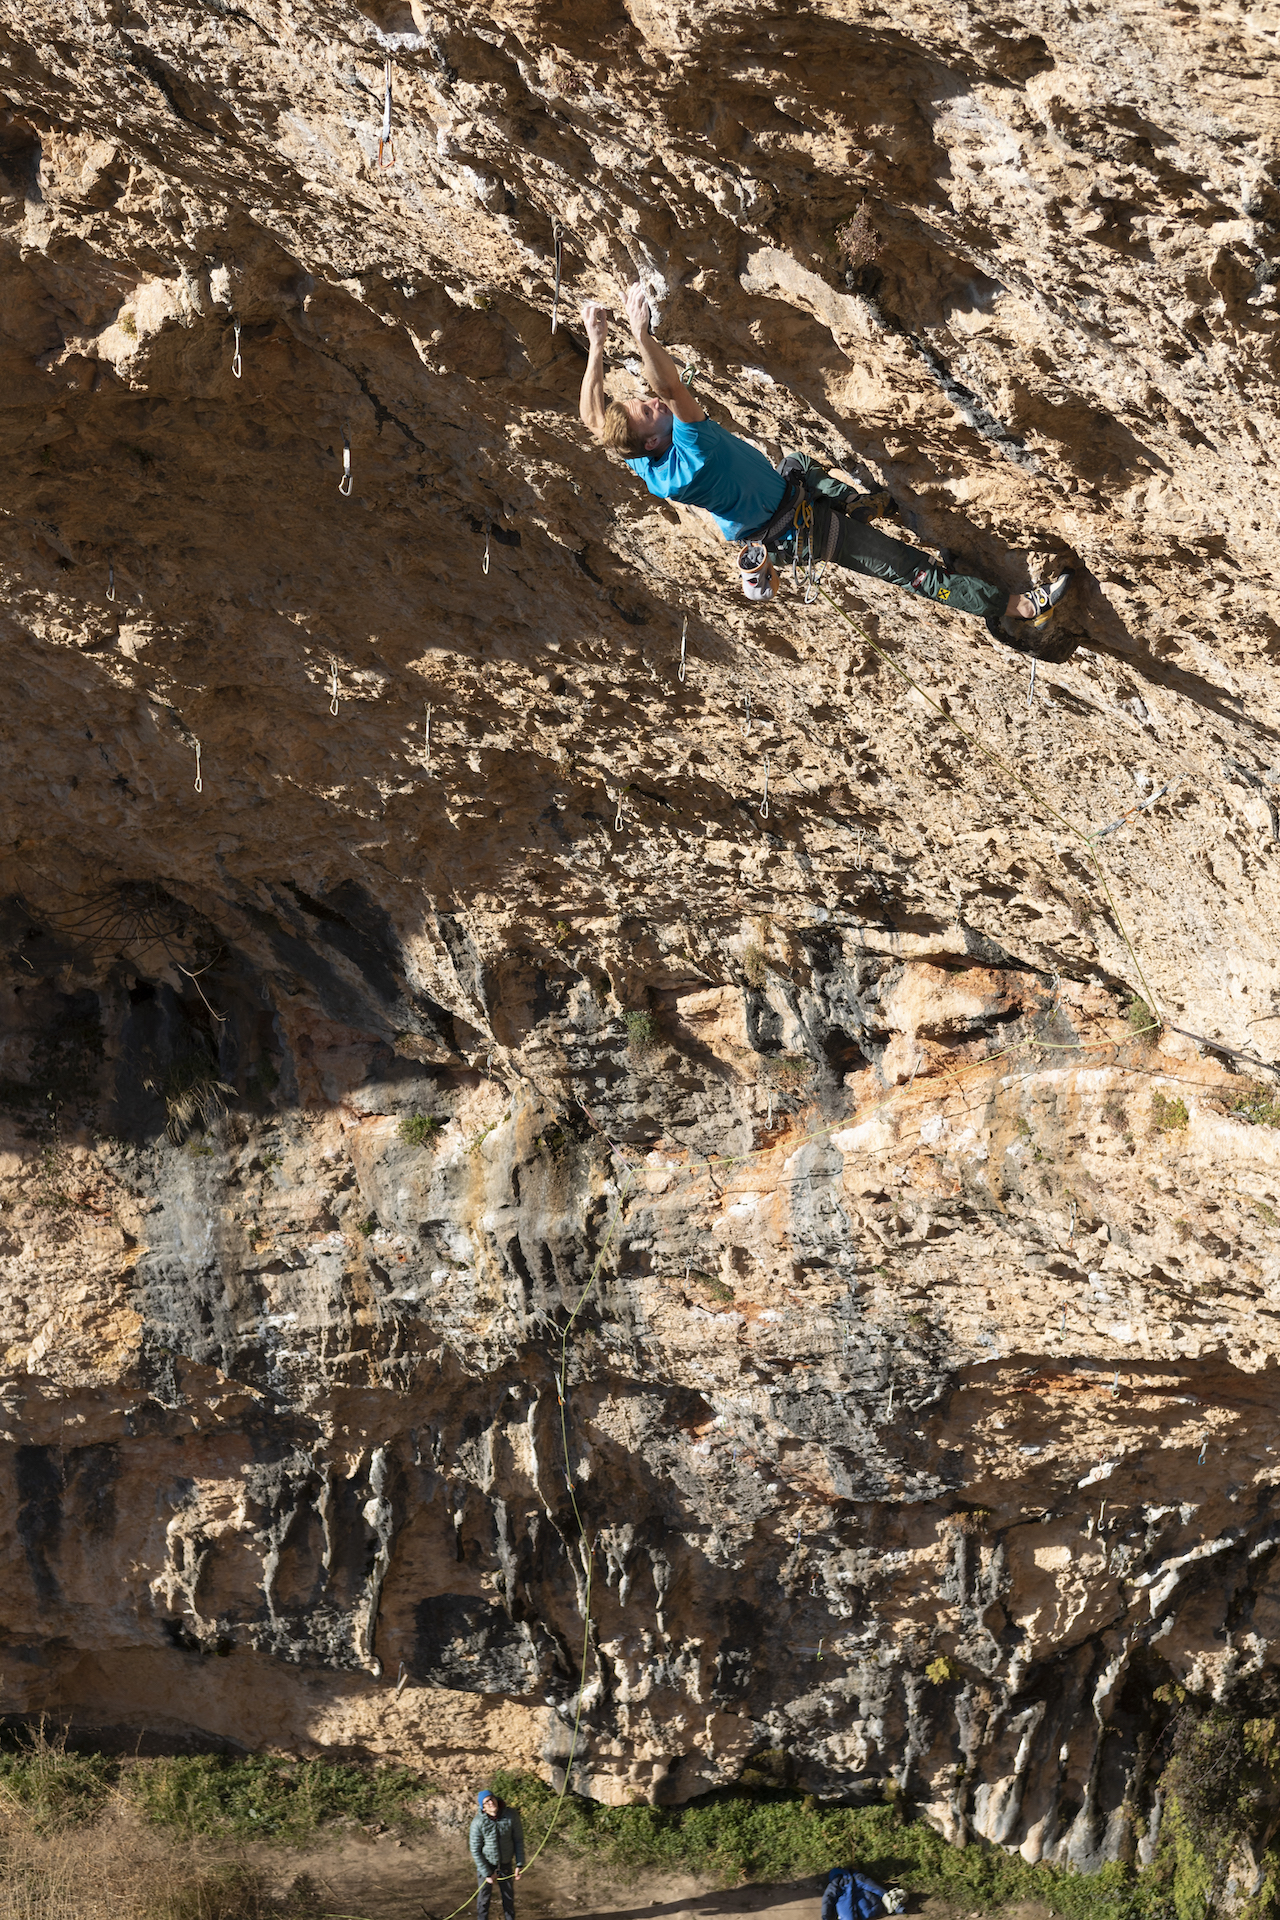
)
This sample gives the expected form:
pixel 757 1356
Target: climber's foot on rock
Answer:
pixel 1036 608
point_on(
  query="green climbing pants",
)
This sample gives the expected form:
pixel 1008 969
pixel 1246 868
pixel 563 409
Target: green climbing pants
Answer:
pixel 862 548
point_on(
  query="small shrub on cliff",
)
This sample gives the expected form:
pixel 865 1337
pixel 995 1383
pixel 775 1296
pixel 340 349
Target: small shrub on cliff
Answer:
pixel 789 1072
pixel 969 1520
pixel 713 1286
pixel 1258 1105
pixel 1144 1023
pixel 419 1129
pixel 941 1670
pixel 1170 1116
pixel 858 242
pixel 755 965
pixel 642 1034
pixel 192 1093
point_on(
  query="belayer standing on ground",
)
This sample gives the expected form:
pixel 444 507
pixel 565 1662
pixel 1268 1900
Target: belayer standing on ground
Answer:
pixel 680 454
pixel 497 1847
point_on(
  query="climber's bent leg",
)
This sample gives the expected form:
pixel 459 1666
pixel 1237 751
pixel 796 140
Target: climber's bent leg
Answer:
pixel 864 549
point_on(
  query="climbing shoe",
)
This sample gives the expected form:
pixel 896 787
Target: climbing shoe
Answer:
pixel 872 506
pixel 1045 599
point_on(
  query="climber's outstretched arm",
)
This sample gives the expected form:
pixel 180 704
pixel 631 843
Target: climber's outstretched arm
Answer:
pixel 592 403
pixel 660 369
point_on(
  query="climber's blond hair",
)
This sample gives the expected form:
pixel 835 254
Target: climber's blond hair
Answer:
pixel 619 435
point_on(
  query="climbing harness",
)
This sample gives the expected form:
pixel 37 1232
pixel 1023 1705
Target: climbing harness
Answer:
pixel 384 142
pixel 111 581
pixel 199 776
pixel 684 635
pixel 426 741
pixel 488 530
pixel 333 686
pixel 236 362
pixel 557 242
pixel 344 485
pixel 764 804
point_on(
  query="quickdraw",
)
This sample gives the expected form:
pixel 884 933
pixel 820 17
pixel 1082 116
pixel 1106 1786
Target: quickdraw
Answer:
pixel 803 553
pixel 557 242
pixel 385 144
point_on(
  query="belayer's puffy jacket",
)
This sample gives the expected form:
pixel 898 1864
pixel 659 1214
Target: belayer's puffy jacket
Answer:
pixel 851 1896
pixel 497 1845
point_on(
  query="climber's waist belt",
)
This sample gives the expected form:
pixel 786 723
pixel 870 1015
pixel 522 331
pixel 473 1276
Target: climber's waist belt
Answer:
pixel 776 530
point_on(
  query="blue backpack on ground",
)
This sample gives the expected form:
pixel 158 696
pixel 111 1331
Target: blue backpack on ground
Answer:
pixel 852 1896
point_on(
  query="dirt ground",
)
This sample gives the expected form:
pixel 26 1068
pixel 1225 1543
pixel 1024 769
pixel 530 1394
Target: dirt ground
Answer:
pixel 385 1877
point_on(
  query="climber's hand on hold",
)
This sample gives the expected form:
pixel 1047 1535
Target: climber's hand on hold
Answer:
pixel 638 310
pixel 596 319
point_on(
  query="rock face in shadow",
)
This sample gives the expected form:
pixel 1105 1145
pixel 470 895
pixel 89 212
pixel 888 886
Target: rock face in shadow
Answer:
pixel 471 1163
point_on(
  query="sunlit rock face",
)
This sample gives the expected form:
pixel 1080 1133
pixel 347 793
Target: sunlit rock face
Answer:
pixel 400 950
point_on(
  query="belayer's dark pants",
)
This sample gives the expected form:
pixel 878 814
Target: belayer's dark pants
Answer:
pixel 506 1887
pixel 864 549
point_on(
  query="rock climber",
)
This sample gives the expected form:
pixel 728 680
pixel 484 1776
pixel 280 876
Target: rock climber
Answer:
pixel 680 454
pixel 497 1847
pixel 852 1896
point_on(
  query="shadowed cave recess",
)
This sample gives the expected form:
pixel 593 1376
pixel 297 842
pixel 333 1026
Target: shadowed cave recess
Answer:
pixel 395 941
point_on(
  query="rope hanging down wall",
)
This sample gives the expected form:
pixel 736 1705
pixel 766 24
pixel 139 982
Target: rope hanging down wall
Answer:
pixel 588 1546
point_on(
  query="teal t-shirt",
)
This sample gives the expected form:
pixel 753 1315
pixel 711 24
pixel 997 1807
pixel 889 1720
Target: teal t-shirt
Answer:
pixel 707 466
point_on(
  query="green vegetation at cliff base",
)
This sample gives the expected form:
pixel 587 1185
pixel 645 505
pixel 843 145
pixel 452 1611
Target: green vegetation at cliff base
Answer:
pixel 773 1836
pixel 760 1831
pixel 216 1796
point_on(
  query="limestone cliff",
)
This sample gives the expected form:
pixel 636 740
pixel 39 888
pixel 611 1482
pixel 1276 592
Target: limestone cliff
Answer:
pixel 398 939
